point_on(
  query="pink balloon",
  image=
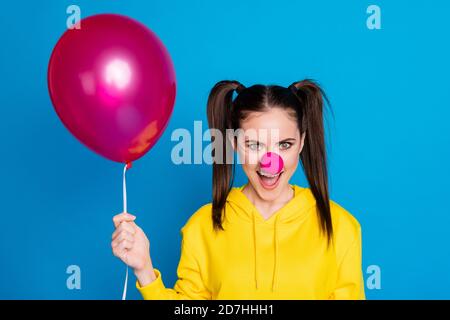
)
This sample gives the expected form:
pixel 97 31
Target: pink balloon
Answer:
pixel 112 84
pixel 272 163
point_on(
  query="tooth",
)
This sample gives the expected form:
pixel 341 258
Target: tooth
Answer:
pixel 267 175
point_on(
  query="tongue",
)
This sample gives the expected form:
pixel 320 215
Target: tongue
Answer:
pixel 269 181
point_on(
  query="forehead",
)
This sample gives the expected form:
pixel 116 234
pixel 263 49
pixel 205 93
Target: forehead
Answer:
pixel 273 121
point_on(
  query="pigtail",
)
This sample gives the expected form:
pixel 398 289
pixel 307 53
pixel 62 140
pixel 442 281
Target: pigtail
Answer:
pixel 313 155
pixel 219 117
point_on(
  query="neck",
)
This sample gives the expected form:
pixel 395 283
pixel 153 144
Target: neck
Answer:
pixel 268 207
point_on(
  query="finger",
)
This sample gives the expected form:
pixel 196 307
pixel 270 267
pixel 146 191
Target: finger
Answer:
pixel 116 252
pixel 115 243
pixel 125 245
pixel 124 226
pixel 123 255
pixel 124 235
pixel 119 253
pixel 124 216
pixel 134 225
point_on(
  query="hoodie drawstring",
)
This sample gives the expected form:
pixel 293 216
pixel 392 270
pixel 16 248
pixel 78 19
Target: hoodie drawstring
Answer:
pixel 275 253
pixel 254 249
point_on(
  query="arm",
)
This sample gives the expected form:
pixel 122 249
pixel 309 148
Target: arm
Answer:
pixel 188 286
pixel 132 246
pixel 350 281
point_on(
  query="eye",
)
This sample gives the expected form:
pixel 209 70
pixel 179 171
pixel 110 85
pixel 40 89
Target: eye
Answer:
pixel 285 145
pixel 254 146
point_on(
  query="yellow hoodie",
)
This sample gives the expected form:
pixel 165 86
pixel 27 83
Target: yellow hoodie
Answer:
pixel 283 257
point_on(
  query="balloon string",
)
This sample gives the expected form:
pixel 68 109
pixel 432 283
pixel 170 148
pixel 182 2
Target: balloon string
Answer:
pixel 124 294
pixel 124 185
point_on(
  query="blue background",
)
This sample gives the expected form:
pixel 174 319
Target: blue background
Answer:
pixel 389 142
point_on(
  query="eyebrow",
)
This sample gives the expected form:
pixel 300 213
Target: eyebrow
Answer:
pixel 288 140
pixel 285 140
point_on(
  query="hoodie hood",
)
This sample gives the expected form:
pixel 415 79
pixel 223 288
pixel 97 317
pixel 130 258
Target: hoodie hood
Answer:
pixel 243 210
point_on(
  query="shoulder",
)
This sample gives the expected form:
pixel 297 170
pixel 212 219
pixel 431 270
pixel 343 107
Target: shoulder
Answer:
pixel 343 220
pixel 199 224
pixel 346 229
pixel 200 216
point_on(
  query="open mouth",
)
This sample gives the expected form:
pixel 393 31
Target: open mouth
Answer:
pixel 269 181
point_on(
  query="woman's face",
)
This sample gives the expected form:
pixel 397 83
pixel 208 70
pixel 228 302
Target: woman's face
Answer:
pixel 270 131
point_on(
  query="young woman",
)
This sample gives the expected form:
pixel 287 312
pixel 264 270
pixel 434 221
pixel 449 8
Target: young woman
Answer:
pixel 267 239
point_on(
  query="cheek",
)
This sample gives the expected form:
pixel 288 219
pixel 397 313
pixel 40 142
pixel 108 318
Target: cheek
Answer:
pixel 249 168
pixel 249 159
pixel 291 161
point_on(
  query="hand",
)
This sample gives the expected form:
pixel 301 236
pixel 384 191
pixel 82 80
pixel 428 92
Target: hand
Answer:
pixel 130 244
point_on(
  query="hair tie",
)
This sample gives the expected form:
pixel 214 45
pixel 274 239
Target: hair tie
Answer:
pixel 293 88
pixel 239 88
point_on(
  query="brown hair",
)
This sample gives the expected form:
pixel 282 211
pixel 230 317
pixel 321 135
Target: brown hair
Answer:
pixel 303 99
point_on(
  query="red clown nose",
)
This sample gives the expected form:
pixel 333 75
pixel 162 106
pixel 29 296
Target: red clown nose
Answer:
pixel 272 163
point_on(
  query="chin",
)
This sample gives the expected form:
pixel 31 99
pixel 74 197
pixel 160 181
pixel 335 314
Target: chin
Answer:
pixel 266 195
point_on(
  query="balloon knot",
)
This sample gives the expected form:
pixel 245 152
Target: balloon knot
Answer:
pixel 129 165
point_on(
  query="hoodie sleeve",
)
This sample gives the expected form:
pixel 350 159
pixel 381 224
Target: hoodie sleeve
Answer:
pixel 350 281
pixel 189 284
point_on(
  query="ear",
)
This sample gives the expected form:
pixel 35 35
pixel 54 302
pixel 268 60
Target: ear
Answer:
pixel 302 141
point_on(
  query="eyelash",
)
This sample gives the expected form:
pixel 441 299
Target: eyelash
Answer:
pixel 250 145
pixel 288 143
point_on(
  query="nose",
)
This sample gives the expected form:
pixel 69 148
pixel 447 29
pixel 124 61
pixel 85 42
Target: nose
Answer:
pixel 272 163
